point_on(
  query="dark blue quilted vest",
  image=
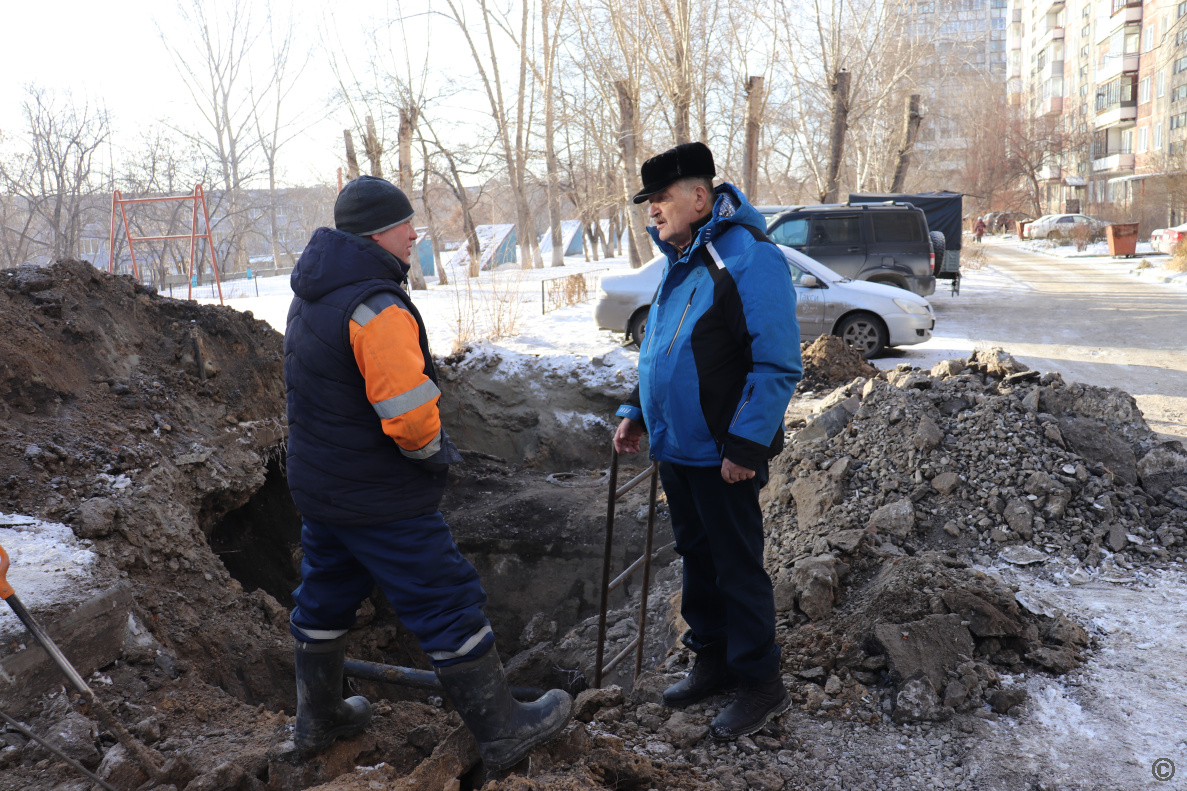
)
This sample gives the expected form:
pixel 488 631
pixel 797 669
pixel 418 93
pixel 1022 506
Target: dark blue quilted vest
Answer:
pixel 342 468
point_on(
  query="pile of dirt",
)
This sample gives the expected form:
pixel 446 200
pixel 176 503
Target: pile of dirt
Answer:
pixel 154 429
pixel 829 362
pixel 902 481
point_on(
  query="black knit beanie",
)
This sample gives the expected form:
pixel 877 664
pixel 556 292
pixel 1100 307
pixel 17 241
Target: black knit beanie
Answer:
pixel 370 205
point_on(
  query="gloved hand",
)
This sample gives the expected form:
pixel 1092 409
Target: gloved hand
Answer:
pixel 440 461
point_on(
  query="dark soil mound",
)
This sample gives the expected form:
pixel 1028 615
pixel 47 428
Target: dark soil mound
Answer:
pixel 829 363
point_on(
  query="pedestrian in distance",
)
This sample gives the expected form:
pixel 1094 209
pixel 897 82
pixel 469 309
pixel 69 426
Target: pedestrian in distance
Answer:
pixel 719 362
pixel 367 465
pixel 979 229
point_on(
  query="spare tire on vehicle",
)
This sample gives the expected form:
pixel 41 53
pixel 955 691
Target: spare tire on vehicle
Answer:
pixel 939 245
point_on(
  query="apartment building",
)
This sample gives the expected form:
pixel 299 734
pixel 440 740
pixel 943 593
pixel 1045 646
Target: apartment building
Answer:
pixel 1110 78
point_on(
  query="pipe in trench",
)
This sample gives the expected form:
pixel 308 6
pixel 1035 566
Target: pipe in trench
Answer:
pixel 417 679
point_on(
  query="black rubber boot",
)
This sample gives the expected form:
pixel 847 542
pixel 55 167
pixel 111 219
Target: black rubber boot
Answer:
pixel 710 675
pixel 505 729
pixel 322 714
pixel 754 706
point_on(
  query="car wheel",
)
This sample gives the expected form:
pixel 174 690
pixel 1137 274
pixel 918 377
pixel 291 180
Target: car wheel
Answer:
pixel 864 333
pixel 638 326
pixel 889 281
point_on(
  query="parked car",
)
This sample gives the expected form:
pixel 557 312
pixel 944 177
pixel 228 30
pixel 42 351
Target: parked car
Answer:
pixel 868 316
pixel 1062 226
pixel 1164 240
pixel 886 243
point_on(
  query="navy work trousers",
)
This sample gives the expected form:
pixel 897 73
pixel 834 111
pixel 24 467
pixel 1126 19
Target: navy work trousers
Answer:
pixel 434 590
pixel 727 592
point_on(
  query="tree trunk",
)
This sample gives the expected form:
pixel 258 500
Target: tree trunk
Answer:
pixel 407 121
pixel 836 143
pixel 554 199
pixel 273 225
pixel 352 159
pixel 754 98
pixel 682 104
pixel 374 149
pixel 431 226
pixel 626 140
pixel 911 120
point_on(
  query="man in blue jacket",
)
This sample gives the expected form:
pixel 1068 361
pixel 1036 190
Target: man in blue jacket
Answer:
pixel 367 466
pixel 719 362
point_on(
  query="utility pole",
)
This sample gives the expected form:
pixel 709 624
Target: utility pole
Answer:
pixel 836 143
pixel 911 120
pixel 754 98
pixel 352 159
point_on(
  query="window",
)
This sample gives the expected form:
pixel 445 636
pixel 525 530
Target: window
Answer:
pixel 797 274
pixel 1143 139
pixel 1182 9
pixel 837 230
pixel 1148 44
pixel 1180 65
pixel 1178 121
pixel 1144 91
pixel 1127 141
pixel 793 232
pixel 1160 84
pixel 1084 31
pixel 896 226
pixel 1158 136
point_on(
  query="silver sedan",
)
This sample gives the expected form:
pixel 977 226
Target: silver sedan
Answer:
pixel 868 316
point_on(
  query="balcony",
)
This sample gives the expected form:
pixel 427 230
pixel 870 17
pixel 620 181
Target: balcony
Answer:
pixel 1053 33
pixel 1117 64
pixel 1113 163
pixel 1015 15
pixel 1050 6
pixel 1049 173
pixel 1051 71
pixel 1052 105
pixel 1117 116
pixel 1129 10
pixel 1117 101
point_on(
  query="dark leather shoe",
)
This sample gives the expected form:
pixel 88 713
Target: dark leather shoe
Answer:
pixel 710 675
pixel 754 706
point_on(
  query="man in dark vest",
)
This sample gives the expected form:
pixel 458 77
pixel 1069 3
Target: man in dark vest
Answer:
pixel 367 466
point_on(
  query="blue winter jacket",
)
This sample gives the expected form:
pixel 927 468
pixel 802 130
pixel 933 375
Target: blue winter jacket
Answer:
pixel 721 355
pixel 342 468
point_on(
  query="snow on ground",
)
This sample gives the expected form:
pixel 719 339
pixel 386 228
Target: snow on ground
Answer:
pixel 1107 723
pixel 48 563
pixel 506 303
pixel 1066 249
pixel 1148 266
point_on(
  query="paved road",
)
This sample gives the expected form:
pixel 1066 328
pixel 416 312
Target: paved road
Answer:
pixel 1086 318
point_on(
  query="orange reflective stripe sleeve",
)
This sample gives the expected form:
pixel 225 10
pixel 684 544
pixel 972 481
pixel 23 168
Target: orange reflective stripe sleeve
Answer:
pixel 387 349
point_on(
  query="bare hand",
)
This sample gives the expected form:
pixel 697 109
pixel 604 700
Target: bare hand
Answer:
pixel 732 473
pixel 626 438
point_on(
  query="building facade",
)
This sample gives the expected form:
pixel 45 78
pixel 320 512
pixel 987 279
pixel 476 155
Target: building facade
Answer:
pixel 1109 77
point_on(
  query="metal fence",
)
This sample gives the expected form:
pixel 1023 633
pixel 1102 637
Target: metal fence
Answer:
pixel 564 290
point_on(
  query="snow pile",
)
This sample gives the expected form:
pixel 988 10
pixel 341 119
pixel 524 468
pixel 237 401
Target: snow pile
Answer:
pixel 48 563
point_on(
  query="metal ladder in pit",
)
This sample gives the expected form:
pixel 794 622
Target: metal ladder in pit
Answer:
pixel 643 560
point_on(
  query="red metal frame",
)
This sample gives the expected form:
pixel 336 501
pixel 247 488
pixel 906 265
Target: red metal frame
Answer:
pixel 199 198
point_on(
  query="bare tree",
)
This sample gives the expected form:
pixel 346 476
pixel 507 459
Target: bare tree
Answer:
pixel 515 155
pixel 273 127
pixel 51 178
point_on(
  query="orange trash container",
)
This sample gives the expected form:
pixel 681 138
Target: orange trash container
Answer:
pixel 1123 239
pixel 1020 227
